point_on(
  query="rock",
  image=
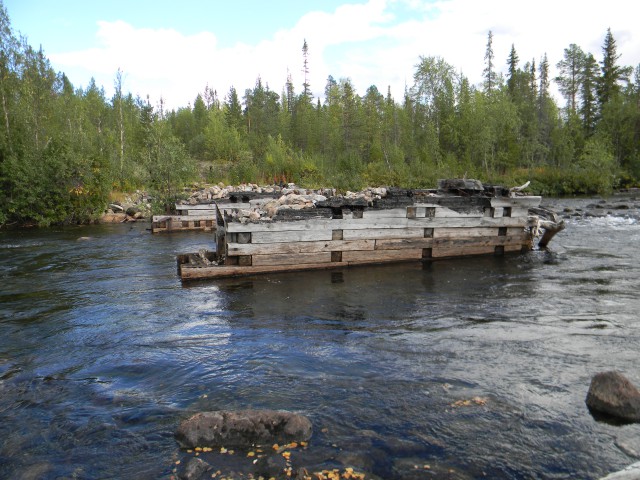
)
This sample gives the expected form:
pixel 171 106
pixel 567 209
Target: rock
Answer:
pixel 632 472
pixel 113 218
pixel 612 393
pixel 630 447
pixel 116 208
pixel 194 469
pixel 242 428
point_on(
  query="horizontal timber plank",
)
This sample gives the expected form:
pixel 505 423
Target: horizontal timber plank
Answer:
pixel 381 223
pixel 221 271
pixel 379 233
pixel 470 242
pixel 298 247
pixel 377 256
pixel 182 218
pixel 291 259
pixel 291 236
pixel 400 212
pixel 445 212
pixel 461 251
pixel 521 202
pixel 479 242
pixel 462 232
pixel 403 243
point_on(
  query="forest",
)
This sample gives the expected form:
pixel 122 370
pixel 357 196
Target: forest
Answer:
pixel 66 152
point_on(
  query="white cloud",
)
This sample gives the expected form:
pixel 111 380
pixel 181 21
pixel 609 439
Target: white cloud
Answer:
pixel 371 43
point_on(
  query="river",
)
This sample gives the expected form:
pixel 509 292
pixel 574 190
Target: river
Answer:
pixel 474 368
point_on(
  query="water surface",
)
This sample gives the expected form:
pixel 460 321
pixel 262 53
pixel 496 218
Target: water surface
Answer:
pixel 476 368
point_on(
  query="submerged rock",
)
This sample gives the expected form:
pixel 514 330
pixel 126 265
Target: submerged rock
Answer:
pixel 242 428
pixel 612 393
pixel 194 469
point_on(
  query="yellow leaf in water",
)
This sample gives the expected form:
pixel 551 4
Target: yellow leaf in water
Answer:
pixel 286 455
pixel 223 450
pixel 293 445
pixel 275 446
pixel 303 444
pixel 251 454
pixel 198 449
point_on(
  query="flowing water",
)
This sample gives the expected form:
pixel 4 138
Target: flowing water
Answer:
pixel 474 368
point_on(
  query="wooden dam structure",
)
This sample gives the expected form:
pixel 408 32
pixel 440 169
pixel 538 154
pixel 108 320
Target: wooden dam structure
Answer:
pixel 459 219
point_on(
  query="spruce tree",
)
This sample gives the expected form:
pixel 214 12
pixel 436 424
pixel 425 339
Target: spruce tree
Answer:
pixel 588 106
pixel 490 76
pixel 568 80
pixel 512 63
pixel 611 73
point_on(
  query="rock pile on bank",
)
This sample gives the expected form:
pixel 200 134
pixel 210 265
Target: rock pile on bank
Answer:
pixel 285 199
pixel 135 206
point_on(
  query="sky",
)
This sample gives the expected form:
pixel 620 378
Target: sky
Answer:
pixel 174 49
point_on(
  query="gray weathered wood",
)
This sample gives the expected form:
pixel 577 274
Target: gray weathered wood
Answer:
pixel 291 259
pixel 382 255
pixel 298 247
pixel 291 236
pixel 386 223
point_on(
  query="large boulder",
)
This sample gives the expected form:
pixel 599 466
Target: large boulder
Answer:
pixel 612 393
pixel 242 428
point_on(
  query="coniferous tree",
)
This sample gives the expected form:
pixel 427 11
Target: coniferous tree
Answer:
pixel 233 110
pixel 512 63
pixel 568 80
pixel 588 104
pixel 306 91
pixel 611 73
pixel 489 73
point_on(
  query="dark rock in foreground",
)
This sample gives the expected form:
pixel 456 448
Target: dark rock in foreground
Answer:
pixel 194 469
pixel 242 428
pixel 612 393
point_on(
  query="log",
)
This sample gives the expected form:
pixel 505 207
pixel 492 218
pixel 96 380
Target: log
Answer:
pixel 291 259
pixel 298 247
pixel 380 223
pixel 379 256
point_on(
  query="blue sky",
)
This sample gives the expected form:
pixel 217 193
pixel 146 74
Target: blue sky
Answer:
pixel 174 49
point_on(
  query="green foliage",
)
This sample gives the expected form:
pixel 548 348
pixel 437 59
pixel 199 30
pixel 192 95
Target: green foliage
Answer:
pixel 62 151
pixel 169 166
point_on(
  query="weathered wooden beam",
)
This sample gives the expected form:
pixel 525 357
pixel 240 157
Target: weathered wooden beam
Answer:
pixel 380 233
pixel 403 243
pixel 291 236
pixel 381 223
pixel 197 273
pixel 298 247
pixel 520 202
pixel 378 256
pixel 291 259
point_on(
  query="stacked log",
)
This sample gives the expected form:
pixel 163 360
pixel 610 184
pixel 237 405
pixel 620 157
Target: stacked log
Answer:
pixel 401 226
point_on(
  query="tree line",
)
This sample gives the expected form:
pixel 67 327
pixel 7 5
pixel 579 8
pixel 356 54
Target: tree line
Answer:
pixel 65 152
